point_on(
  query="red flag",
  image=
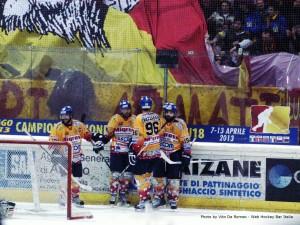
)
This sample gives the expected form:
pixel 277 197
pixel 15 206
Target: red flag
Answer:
pixel 178 25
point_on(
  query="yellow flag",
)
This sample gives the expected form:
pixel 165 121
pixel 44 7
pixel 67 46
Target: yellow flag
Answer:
pixel 244 76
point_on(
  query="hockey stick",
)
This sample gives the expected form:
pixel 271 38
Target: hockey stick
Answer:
pixel 169 161
pixel 82 119
pixel 126 168
pixel 83 186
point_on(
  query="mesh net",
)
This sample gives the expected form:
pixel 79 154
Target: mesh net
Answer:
pixel 37 173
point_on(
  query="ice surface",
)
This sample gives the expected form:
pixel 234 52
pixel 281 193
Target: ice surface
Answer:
pixel 108 215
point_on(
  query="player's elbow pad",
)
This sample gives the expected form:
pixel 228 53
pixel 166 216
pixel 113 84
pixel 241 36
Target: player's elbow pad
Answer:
pixel 100 137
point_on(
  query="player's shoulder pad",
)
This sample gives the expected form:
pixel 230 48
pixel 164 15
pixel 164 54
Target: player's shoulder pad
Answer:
pixel 77 123
pixel 179 123
pixel 139 116
pixel 58 126
pixel 116 117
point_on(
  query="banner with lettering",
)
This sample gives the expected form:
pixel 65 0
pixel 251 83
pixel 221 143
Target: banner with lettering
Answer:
pixel 230 178
pixel 199 133
pixel 197 105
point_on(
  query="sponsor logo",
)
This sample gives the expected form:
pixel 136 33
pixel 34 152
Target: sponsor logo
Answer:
pixel 283 180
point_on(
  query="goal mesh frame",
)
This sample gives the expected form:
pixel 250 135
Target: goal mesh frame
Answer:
pixel 40 144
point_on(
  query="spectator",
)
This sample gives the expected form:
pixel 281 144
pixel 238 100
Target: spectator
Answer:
pixel 294 18
pixel 235 36
pixel 295 40
pixel 254 22
pixel 276 25
pixel 242 8
pixel 223 16
pixel 208 7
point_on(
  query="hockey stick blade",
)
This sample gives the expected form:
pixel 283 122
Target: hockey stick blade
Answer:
pixel 83 186
pixel 167 159
pixel 210 160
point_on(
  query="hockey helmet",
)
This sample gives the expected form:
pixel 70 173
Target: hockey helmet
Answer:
pixel 124 104
pixel 169 107
pixel 125 108
pixel 66 115
pixel 145 102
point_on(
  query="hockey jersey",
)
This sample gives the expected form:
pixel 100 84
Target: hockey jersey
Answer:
pixel 121 131
pixel 175 136
pixel 147 126
pixel 73 134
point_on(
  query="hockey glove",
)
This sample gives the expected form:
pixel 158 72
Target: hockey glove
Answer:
pixel 136 146
pixel 131 158
pixel 98 141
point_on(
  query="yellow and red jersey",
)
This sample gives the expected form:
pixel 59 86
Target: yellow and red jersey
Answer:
pixel 73 134
pixel 175 136
pixel 147 126
pixel 121 131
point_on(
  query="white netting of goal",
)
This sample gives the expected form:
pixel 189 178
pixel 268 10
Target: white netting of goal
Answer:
pixel 39 172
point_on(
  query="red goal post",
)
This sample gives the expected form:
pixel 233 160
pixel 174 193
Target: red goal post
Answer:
pixel 29 174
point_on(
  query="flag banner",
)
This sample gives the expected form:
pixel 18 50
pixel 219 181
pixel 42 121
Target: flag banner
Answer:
pixel 197 105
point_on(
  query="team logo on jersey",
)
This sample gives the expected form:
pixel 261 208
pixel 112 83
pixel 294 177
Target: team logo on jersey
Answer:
pixel 270 119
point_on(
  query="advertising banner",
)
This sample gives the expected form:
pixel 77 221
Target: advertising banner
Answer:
pixel 283 180
pixel 241 135
pixel 235 178
pixel 270 119
pixel 200 133
pixel 16 169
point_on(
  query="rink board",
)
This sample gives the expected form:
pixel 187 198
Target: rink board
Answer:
pixel 244 176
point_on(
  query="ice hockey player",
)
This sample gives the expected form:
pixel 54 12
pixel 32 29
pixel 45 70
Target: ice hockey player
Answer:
pixel 120 131
pixel 69 129
pixel 6 209
pixel 175 142
pixel 145 147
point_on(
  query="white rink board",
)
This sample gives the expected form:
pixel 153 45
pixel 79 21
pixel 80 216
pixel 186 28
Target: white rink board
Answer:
pixel 237 172
pixel 106 215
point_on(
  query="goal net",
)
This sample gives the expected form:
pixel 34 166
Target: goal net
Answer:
pixel 38 176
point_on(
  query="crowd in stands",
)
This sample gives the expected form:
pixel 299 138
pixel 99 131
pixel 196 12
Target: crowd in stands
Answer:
pixel 251 27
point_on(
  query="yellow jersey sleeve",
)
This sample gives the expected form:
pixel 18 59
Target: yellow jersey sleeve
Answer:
pixel 113 123
pixel 54 134
pixel 139 127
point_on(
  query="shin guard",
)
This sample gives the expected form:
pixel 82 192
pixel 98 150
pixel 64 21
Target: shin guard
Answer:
pixel 143 186
pixel 173 189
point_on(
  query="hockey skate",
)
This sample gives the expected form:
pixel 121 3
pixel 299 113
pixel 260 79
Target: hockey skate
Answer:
pixel 158 202
pixel 113 199
pixel 123 201
pixel 77 202
pixel 142 206
pixel 173 204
